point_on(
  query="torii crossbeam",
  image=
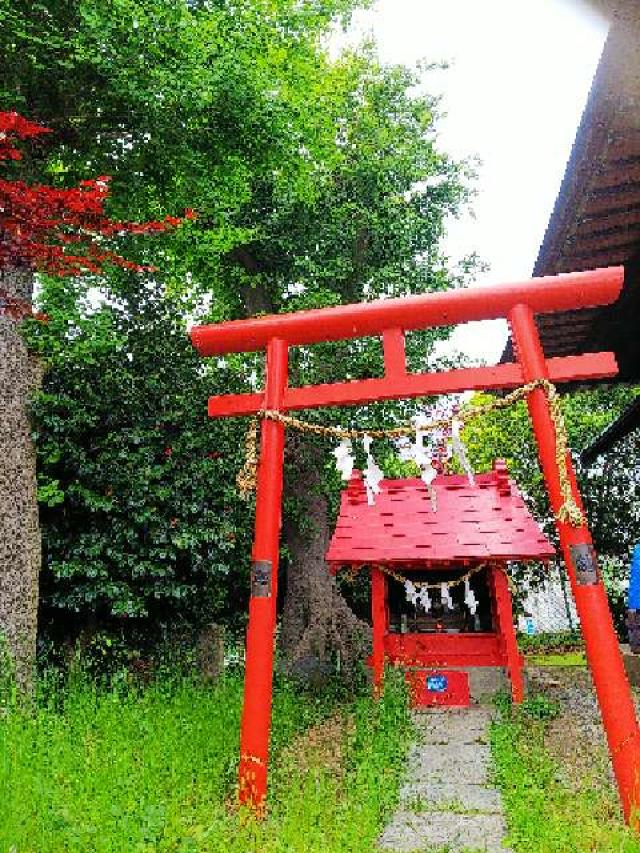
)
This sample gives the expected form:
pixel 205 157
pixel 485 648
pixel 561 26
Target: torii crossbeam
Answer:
pixel 391 319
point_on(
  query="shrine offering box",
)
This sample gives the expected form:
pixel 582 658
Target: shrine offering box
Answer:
pixel 449 688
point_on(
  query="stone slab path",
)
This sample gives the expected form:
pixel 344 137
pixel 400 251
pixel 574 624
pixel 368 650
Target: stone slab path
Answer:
pixel 447 802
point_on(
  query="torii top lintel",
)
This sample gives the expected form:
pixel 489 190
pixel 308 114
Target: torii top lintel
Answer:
pixel 391 318
pixel 544 295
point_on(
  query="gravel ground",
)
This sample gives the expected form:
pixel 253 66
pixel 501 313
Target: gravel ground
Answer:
pixel 576 737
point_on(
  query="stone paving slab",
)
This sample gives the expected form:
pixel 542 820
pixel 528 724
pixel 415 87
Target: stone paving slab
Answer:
pixel 442 762
pixel 447 802
pixel 459 727
pixel 411 832
pixel 449 796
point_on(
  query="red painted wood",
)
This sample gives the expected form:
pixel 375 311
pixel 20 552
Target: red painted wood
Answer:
pixel 442 650
pixel 405 386
pixel 455 695
pixel 400 386
pixel 601 643
pixel 518 302
pixel 256 711
pixel 543 295
pixel 229 405
pixel 475 523
pixel 590 365
pixel 395 359
pixel 504 624
pixel 380 620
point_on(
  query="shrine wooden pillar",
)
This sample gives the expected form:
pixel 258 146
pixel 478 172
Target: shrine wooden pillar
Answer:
pixel 601 643
pixel 379 620
pixel 503 613
pixel 255 725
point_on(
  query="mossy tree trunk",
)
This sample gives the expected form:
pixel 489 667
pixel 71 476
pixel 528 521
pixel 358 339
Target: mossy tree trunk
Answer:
pixel 318 625
pixel 20 544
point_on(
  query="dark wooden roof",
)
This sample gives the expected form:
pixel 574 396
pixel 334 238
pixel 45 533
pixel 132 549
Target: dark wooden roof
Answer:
pixel 628 422
pixel 596 218
pixel 471 523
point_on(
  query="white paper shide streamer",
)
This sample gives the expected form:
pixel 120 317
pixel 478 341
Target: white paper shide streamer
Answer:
pixel 460 450
pixel 424 599
pixel 417 453
pixel 372 473
pixel 445 596
pixel 418 594
pixel 344 458
pixel 449 443
pixel 411 591
pixel 469 598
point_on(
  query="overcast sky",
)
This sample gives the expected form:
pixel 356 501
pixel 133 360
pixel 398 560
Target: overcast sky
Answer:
pixel 518 79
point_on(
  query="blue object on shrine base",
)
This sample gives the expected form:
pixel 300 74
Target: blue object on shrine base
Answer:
pixel 437 683
pixel 634 581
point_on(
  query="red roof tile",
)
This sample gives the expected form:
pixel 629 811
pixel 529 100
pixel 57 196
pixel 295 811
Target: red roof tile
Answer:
pixel 488 520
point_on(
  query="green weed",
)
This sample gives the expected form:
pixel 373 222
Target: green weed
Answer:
pixel 543 814
pixel 565 659
pixel 148 770
pixel 559 643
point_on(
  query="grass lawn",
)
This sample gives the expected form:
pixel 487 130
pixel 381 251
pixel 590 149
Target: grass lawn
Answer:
pixel 560 659
pixel 543 814
pixel 154 770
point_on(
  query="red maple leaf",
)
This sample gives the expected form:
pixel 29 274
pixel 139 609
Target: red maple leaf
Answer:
pixel 12 127
pixel 59 231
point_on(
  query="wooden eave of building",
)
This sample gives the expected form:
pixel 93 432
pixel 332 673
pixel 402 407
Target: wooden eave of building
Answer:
pixel 596 218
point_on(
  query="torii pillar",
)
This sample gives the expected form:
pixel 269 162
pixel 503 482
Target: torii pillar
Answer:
pixel 600 639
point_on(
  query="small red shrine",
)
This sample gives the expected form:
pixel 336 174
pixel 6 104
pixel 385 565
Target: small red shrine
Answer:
pixel 436 539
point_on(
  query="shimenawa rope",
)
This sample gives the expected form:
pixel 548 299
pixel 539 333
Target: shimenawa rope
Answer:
pixel 569 511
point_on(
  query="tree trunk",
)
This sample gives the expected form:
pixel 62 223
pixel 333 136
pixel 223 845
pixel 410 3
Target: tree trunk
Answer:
pixel 20 545
pixel 318 626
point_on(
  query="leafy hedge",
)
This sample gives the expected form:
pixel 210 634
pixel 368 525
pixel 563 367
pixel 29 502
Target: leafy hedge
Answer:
pixel 139 507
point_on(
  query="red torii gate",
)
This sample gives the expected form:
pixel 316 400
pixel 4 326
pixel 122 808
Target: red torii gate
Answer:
pixel 391 318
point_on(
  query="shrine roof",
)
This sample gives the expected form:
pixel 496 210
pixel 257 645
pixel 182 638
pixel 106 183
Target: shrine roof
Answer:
pixel 472 523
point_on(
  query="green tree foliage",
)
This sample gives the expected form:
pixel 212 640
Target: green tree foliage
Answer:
pixel 138 501
pixel 609 486
pixel 304 171
pixel 316 181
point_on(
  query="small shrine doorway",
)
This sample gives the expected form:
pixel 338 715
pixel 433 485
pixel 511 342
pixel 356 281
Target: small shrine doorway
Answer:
pixel 452 614
pixel 440 600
